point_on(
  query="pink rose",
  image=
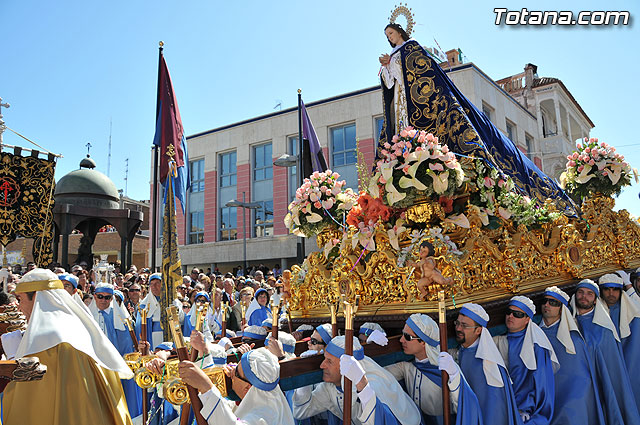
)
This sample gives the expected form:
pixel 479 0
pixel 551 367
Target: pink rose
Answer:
pixel 387 145
pixel 592 162
pixel 404 133
pixel 572 164
pixel 436 167
pixel 574 156
pixel 405 169
pixel 317 204
pixel 580 168
pixel 445 149
pixel 412 133
pixel 579 146
pixel 587 149
pixel 501 183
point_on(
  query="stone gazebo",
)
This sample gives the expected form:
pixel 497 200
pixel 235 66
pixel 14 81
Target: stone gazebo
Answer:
pixel 86 200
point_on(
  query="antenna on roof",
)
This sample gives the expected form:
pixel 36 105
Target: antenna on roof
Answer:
pixel 278 105
pixel 109 157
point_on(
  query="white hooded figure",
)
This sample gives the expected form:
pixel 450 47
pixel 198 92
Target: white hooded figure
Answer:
pixel 380 386
pixel 263 404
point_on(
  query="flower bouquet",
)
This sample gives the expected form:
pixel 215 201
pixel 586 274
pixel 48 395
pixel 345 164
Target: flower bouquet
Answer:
pixel 321 202
pixel 595 168
pixel 415 165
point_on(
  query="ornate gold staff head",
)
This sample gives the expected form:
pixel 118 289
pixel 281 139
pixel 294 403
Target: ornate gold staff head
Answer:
pixel 405 11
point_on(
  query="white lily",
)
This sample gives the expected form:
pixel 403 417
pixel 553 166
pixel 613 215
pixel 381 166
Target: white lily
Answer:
pixel 615 173
pixel 314 218
pixel 583 177
pixel 459 220
pixel 412 181
pixel 394 233
pixel 440 181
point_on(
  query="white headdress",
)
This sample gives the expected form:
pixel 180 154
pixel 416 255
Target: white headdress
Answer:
pixel 264 402
pixel 601 314
pixel 487 350
pixel 533 336
pixel 567 322
pixel 56 318
pixel 427 330
pixel 629 310
pixel 369 327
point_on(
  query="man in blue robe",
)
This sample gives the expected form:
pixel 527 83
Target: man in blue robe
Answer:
pixel 625 315
pixel 484 368
pixel 151 303
pixel 110 318
pixel 577 399
pixel 423 378
pixel 531 362
pixel 377 397
pixel 605 351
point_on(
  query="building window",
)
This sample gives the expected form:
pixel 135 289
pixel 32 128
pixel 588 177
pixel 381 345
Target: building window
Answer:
pixel 343 145
pixel 196 227
pixel 511 132
pixel 530 148
pixel 197 176
pixel 294 183
pixel 488 111
pixel 263 168
pixel 264 219
pixel 262 191
pixel 343 154
pixel 227 229
pixel 228 169
pixel 378 122
pixel 228 223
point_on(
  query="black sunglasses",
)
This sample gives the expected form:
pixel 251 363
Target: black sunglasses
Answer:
pixel 134 290
pixel 551 302
pixel 409 337
pixel 316 342
pixel 516 314
pixel 104 297
pixel 235 372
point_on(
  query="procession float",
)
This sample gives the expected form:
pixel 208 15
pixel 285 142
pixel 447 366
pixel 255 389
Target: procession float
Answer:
pixel 452 205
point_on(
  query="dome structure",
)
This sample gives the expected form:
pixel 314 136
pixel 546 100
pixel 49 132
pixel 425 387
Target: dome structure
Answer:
pixel 87 187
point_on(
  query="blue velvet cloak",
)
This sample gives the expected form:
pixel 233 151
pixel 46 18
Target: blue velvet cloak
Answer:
pixel 435 104
pixel 616 394
pixel 468 413
pixel 534 389
pixel 630 348
pixel 577 399
pixel 498 405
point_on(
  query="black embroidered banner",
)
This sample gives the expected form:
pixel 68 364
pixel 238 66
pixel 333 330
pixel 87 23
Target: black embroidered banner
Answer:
pixel 26 203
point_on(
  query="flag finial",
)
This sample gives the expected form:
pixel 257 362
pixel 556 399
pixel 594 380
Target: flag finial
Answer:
pixel 299 91
pixel 161 43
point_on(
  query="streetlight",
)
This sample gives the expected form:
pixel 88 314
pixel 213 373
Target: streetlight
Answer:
pixel 245 206
pixel 286 160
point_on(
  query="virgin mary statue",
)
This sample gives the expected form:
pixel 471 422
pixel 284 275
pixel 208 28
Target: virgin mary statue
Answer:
pixel 417 93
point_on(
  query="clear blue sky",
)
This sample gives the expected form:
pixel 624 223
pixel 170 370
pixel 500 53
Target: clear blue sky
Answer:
pixel 69 67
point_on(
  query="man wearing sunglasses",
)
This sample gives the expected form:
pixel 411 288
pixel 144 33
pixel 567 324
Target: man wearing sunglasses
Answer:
pixel 255 381
pixel 605 351
pixel 111 320
pixel 531 362
pixel 577 399
pixel 422 377
pixel 377 399
pixel 625 315
pixel 483 367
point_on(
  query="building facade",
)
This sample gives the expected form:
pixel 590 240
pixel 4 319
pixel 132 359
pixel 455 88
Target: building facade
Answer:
pixel 235 162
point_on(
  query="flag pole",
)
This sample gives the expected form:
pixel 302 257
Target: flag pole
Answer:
pixel 442 323
pixel 300 250
pixel 154 219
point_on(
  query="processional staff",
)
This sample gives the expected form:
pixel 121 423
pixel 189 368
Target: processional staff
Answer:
pixel 442 323
pixel 275 313
pixel 223 328
pixel 132 333
pixel 334 321
pixel 144 352
pixel 181 349
pixel 349 314
pixel 201 313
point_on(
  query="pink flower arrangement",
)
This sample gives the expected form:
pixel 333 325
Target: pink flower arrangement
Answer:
pixel 595 167
pixel 321 201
